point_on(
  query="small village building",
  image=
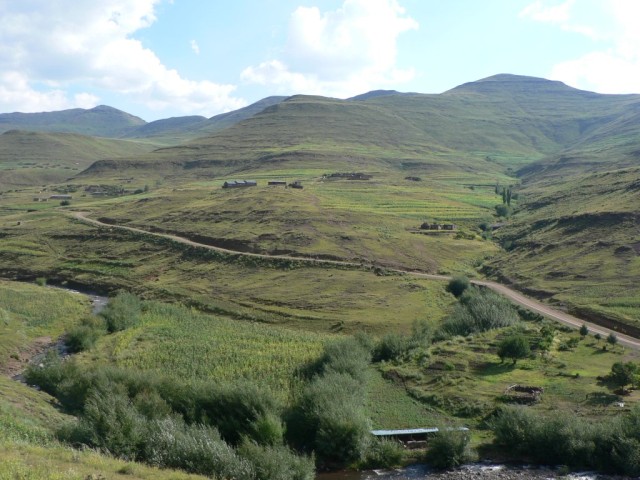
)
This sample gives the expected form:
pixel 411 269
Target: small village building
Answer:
pixel 277 182
pixel 410 435
pixel 60 197
pixel 239 183
pixel 296 184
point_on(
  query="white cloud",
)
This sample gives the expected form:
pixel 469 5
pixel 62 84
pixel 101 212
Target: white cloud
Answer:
pixel 48 49
pixel 541 12
pixel 195 47
pixel 340 53
pixel 614 65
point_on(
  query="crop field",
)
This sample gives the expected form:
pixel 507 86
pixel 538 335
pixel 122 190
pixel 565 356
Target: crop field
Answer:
pixel 186 344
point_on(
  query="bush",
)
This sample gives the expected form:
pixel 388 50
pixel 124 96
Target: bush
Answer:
pixel 84 336
pixel 514 347
pixel 348 356
pixel 277 462
pixel 611 445
pixel 503 210
pixel 329 419
pixel 450 448
pixel 123 311
pixel 110 422
pixel 383 453
pixel 479 310
pixel 458 285
pixel 391 347
pixel 238 410
pixel 196 449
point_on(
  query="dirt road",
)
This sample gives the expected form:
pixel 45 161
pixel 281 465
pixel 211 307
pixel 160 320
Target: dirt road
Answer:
pixel 513 295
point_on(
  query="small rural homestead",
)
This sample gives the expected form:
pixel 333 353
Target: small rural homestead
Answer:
pixel 239 183
pixel 296 184
pixel 277 183
pixel 439 226
pixel 60 197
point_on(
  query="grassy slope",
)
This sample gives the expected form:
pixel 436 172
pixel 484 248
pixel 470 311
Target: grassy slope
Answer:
pixel 275 292
pixel 37 158
pixel 464 377
pixel 577 242
pixel 102 121
pixel 28 418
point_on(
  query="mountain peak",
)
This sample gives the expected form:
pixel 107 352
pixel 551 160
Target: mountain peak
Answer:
pixel 510 82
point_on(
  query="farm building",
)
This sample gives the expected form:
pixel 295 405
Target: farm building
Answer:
pixel 60 197
pixel 239 183
pixel 277 182
pixel 296 184
pixel 438 226
pixel 411 434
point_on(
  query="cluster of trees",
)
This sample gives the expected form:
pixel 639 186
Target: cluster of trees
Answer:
pixel 226 431
pixel 477 310
pixel 329 416
pixel 610 445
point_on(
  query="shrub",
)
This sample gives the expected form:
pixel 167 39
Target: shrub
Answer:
pixel 383 453
pixel 123 311
pixel 450 448
pixel 238 410
pixel 84 336
pixel 277 462
pixel 514 347
pixel 479 310
pixel 458 285
pixel 346 356
pixel 611 445
pixel 329 419
pixel 391 347
pixel 110 422
pixel 196 449
pixel 623 374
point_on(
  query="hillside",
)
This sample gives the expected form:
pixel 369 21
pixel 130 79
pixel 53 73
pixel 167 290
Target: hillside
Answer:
pixel 539 135
pixel 37 158
pixel 101 121
pixel 576 242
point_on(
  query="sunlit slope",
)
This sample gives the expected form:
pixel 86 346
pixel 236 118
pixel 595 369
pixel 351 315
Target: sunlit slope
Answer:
pixel 485 126
pixel 37 158
pixel 102 121
pixel 578 242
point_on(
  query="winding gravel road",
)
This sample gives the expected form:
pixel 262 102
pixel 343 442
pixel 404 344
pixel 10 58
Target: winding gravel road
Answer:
pixel 513 295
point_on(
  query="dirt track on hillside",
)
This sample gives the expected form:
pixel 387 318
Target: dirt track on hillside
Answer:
pixel 513 295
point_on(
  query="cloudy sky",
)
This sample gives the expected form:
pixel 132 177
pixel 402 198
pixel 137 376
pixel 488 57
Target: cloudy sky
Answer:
pixel 163 58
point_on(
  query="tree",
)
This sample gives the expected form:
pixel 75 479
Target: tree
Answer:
pixel 458 285
pixel 623 374
pixel 612 339
pixel 584 330
pixel 514 347
pixel 509 196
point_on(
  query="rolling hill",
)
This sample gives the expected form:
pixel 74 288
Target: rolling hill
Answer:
pixel 37 158
pixel 100 121
pixel 570 155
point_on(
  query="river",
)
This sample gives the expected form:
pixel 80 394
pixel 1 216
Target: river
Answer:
pixel 477 471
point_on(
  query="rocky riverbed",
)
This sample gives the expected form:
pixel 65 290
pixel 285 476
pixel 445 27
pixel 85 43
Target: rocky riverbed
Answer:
pixel 478 471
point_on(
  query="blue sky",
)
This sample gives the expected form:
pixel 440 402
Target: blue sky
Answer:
pixel 162 58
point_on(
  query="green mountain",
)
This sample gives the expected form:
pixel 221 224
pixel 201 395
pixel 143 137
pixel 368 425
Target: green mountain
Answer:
pixel 37 158
pixel 101 121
